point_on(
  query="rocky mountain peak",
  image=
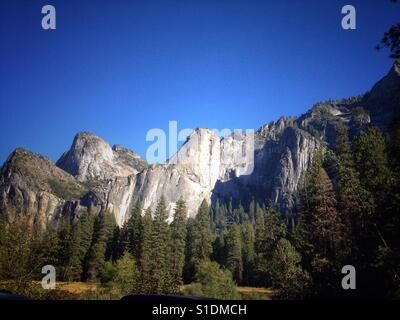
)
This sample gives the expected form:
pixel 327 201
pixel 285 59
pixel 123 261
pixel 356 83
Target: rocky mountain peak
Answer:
pixel 91 158
pixel 31 184
pixel 383 101
pixel 129 158
pixel 274 129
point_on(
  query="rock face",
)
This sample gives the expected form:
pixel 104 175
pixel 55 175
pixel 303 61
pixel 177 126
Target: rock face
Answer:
pixel 191 173
pixel 383 101
pixel 31 184
pixel 91 158
pixel 282 152
pixel 266 165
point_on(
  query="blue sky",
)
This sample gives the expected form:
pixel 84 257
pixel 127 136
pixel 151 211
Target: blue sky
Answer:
pixel 120 68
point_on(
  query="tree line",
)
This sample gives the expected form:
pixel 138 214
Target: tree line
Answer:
pixel 348 215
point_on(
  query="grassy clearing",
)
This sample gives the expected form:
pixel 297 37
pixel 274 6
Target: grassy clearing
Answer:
pixel 78 287
pixel 97 291
pixel 252 293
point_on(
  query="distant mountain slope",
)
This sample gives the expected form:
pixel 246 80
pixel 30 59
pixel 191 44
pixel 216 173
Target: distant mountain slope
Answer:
pixel 32 184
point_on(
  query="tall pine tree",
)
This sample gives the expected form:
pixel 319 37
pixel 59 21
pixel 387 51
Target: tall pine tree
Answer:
pixel 103 231
pixel 202 236
pixel 178 238
pixel 135 231
pixel 322 229
pixel 234 262
pixel 144 281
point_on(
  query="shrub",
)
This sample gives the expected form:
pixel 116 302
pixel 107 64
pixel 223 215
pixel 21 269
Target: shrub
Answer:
pixel 213 282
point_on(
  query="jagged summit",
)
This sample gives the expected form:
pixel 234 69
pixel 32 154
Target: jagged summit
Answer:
pixel 91 158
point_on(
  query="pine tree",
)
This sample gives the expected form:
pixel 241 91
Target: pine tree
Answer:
pixel 16 261
pixel 160 248
pixel 202 236
pixel 213 282
pixel 252 211
pixel 248 253
pixel 114 246
pixel 343 147
pixel 82 234
pixel 103 231
pixel 322 228
pixel 135 231
pixel 66 249
pixel 242 214
pixel 371 155
pixel 156 253
pixel 393 217
pixel 45 248
pixel 260 233
pixel 144 282
pixel 355 204
pixel 371 159
pixel 275 229
pixel 219 215
pixel 125 274
pixel 260 246
pixel 178 238
pixel 286 273
pixel 234 262
pixel 219 248
pixel 188 269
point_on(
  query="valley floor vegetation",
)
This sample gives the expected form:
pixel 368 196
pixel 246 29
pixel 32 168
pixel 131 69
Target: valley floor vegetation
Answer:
pixel 347 215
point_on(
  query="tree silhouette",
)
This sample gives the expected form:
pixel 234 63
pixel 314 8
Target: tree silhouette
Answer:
pixel 391 40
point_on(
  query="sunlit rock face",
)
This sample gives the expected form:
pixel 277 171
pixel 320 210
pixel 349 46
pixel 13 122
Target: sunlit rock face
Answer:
pixel 92 158
pixel 266 165
pixel 32 185
pixel 190 174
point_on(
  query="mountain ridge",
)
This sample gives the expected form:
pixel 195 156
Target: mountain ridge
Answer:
pixel 205 167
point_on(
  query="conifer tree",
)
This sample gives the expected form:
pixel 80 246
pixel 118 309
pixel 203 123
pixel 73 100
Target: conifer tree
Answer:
pixel 322 228
pixel 103 230
pixel 16 261
pixel 202 236
pixel 355 204
pixel 135 231
pixel 371 159
pixel 275 229
pixel 156 253
pixel 144 282
pixel 45 249
pixel 160 248
pixel 66 249
pixel 234 262
pixel 178 238
pixel 252 211
pixel 212 281
pixel 188 269
pixel 286 273
pixel 114 246
pixel 248 252
pixel 260 246
pixel 219 248
pixel 82 235
pixel 125 274
pixel 260 233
